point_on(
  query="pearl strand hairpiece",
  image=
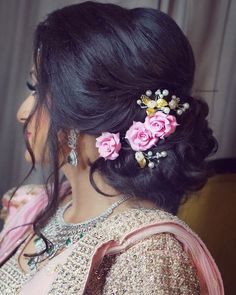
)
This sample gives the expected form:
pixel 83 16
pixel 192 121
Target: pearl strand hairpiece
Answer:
pixel 142 136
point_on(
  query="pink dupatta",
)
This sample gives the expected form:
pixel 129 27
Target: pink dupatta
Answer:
pixel 13 233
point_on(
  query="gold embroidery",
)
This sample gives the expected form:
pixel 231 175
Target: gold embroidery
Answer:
pixel 74 272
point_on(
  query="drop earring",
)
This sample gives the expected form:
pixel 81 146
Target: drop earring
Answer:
pixel 72 158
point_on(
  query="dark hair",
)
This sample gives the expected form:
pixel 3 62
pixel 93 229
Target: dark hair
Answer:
pixel 96 60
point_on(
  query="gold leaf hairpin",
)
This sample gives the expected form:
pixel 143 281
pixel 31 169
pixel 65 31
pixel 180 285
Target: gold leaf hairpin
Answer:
pixel 159 103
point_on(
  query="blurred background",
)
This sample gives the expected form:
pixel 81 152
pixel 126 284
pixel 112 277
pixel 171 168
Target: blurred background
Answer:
pixel 210 27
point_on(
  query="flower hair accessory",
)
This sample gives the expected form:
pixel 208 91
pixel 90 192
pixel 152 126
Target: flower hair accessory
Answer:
pixel 108 145
pixel 142 136
pixel 159 103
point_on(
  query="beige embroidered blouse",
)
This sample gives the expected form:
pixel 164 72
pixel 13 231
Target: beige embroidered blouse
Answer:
pixel 157 265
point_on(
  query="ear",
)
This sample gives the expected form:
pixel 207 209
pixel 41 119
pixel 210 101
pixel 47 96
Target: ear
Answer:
pixel 87 148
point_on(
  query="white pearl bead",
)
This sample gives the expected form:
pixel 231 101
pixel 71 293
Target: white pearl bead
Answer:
pixel 173 96
pixel 158 155
pixel 166 110
pixel 179 112
pixel 165 92
pixel 139 101
pixel 148 92
pixel 186 105
pixel 151 165
pixel 149 153
pixel 163 153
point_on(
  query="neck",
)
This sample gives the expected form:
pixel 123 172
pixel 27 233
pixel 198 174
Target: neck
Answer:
pixel 86 201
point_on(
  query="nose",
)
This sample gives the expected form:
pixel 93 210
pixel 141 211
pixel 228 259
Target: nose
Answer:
pixel 25 109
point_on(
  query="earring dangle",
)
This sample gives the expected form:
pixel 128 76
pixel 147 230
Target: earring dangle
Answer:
pixel 72 158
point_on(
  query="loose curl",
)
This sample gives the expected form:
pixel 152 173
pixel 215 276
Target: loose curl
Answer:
pixel 94 60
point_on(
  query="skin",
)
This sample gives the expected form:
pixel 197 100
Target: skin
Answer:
pixel 87 203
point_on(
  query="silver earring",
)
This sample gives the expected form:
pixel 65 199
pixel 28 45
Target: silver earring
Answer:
pixel 72 158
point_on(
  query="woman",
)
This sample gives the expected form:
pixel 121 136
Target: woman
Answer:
pixel 110 109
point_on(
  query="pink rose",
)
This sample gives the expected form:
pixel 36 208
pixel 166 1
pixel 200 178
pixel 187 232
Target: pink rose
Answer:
pixel 139 137
pixel 108 145
pixel 161 125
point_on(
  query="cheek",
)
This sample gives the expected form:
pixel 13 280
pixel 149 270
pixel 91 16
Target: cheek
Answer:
pixel 37 139
pixel 25 108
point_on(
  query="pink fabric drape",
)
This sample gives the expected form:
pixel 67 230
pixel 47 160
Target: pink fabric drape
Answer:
pixel 19 224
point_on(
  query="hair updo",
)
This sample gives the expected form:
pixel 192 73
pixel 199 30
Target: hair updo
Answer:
pixel 95 61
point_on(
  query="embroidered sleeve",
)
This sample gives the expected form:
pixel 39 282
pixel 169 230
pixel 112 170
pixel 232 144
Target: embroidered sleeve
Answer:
pixel 157 265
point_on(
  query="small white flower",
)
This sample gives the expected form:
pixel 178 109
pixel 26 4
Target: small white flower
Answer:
pixel 139 156
pixel 151 104
pixel 173 104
